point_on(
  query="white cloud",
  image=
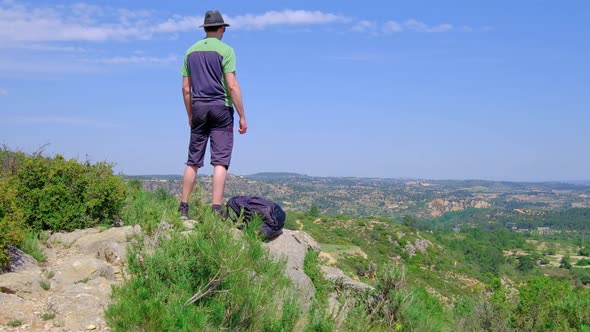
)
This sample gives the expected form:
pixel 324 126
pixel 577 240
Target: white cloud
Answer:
pixel 3 92
pixel 285 17
pixel 138 59
pixel 363 26
pixel 83 22
pixel 392 26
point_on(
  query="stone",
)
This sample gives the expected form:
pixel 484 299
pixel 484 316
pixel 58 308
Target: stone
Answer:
pixel 336 275
pixel 19 261
pixel 65 240
pixel 293 246
pixel 25 284
pixel 81 269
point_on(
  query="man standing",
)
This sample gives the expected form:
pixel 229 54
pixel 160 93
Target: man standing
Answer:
pixel 210 91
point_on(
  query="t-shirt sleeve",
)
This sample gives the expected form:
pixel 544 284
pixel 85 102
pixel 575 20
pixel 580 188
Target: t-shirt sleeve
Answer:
pixel 229 61
pixel 185 70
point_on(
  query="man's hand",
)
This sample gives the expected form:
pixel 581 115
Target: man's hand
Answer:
pixel 243 126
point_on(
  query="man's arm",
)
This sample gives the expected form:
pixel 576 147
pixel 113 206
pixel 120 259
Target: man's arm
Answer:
pixel 236 96
pixel 186 96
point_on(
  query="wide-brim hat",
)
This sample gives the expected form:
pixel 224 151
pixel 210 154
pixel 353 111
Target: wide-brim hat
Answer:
pixel 213 18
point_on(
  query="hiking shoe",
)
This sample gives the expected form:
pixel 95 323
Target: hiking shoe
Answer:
pixel 183 209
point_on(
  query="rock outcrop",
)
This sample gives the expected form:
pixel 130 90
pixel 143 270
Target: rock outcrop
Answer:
pixel 72 289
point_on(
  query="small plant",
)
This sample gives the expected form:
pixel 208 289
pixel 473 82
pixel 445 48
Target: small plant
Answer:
pixel 15 323
pixel 50 274
pixel 48 315
pixel 30 245
pixel 45 284
pixel 82 281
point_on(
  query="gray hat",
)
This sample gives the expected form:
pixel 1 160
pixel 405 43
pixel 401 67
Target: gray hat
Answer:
pixel 213 18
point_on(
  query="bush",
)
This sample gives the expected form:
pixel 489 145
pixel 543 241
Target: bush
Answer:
pixel 61 194
pixel 148 209
pixel 39 193
pixel 546 304
pixel 30 245
pixel 12 227
pixel 396 306
pixel 241 287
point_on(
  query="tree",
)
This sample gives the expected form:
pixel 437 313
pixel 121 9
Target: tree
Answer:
pixel 314 211
pixel 525 264
pixel 410 221
pixel 565 262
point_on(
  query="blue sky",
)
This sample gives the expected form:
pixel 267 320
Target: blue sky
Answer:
pixel 416 89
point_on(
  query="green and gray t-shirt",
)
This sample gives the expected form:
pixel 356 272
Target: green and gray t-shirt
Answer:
pixel 205 63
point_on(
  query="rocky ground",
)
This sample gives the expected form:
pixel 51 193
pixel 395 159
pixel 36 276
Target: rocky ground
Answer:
pixel 71 290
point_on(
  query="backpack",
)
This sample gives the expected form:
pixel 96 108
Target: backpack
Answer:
pixel 272 214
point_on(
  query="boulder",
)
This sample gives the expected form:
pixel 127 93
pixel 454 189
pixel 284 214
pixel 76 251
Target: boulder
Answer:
pixel 336 275
pixel 24 284
pixel 65 240
pixel 293 246
pixel 19 261
pixel 15 308
pixel 80 305
pixel 81 269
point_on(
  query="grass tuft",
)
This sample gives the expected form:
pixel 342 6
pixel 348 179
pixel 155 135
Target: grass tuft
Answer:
pixel 211 279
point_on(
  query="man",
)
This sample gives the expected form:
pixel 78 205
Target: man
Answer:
pixel 210 91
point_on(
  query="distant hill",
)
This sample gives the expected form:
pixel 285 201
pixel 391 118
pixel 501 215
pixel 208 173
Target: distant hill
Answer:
pixel 270 176
pixel 392 198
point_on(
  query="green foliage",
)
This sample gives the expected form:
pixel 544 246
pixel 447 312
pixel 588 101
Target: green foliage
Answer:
pixel 39 193
pixel 30 245
pixel 61 194
pixel 48 315
pixel 583 262
pixel 396 306
pixel 318 318
pixel 311 267
pixel 565 262
pixel 148 209
pixel 12 227
pixel 45 284
pixel 15 323
pixel 314 211
pixel 584 251
pixel 410 221
pixel 241 286
pixel 546 304
pixel 525 264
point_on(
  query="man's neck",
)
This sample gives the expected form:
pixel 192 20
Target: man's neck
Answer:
pixel 212 35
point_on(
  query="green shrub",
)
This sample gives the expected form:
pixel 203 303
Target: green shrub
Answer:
pixel 61 194
pixel 318 317
pixel 546 304
pixel 583 262
pixel 15 323
pixel 148 209
pixel 241 286
pixel 30 245
pixel 12 227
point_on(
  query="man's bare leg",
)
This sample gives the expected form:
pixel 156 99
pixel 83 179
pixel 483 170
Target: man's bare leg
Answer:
pixel 219 176
pixel 188 182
